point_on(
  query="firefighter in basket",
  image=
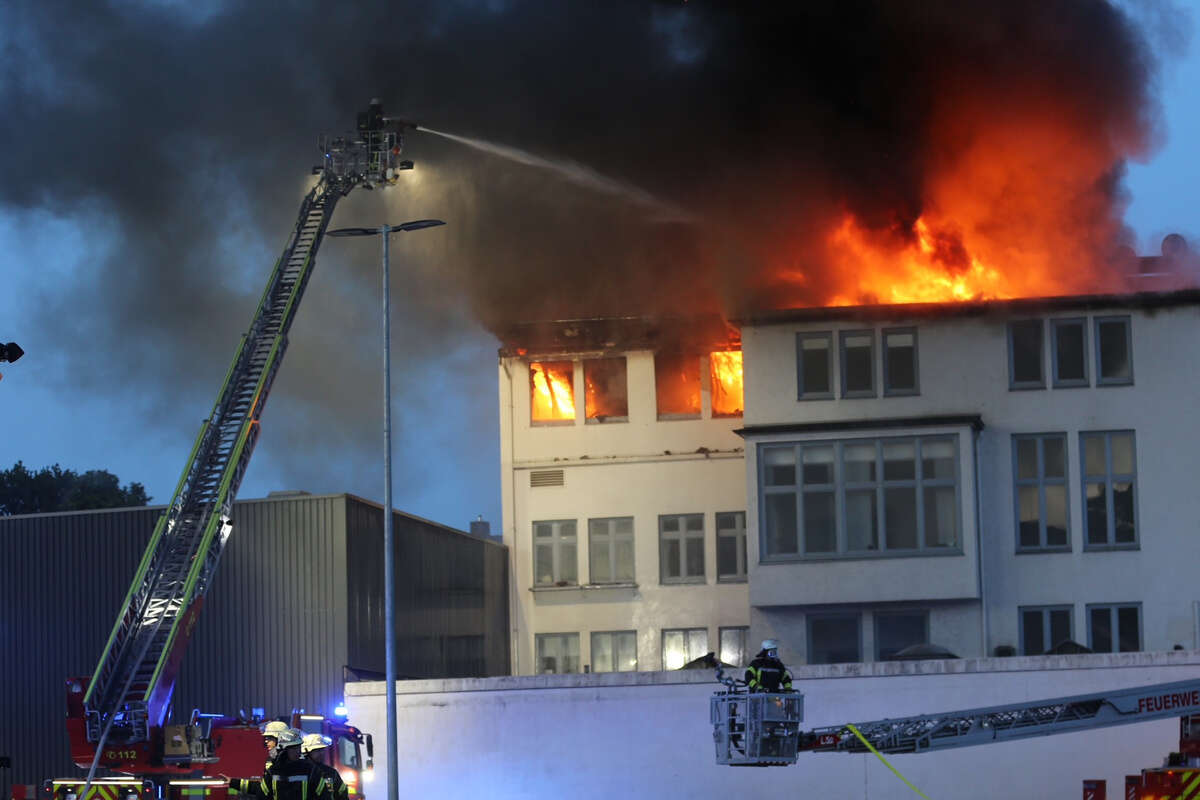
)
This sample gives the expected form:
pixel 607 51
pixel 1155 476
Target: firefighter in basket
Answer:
pixel 766 672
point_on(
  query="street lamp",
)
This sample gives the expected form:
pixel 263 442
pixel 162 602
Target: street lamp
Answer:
pixel 389 577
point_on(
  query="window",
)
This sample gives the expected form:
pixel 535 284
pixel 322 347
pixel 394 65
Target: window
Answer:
pixel 859 496
pixel 814 366
pixel 605 397
pixel 725 382
pixel 552 391
pixel 834 638
pixel 1068 348
pixel 681 645
pixel 858 363
pixel 1040 470
pixel 733 646
pixel 610 550
pixel 896 630
pixel 899 361
pixel 1115 628
pixel 1114 351
pixel 554 553
pixel 614 651
pixel 681 548
pixel 677 385
pixel 557 653
pixel 731 546
pixel 1025 355
pixel 1044 627
pixel 1109 488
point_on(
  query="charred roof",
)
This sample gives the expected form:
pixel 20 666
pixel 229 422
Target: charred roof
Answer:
pixel 604 335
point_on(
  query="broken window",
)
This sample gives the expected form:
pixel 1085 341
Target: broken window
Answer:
pixel 606 398
pixel 552 391
pixel 677 384
pixel 725 374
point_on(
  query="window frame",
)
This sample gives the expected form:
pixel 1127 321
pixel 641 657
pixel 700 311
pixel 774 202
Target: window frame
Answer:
pixel 1045 612
pixel 840 487
pixel 588 419
pixel 879 615
pixel 858 393
pixel 809 619
pixel 1073 383
pixel 747 655
pixel 613 634
pixel 827 337
pixel 1128 323
pixel 575 401
pixel 1041 482
pixel 741 556
pixel 888 391
pixel 698 358
pixel 1113 620
pixel 539 638
pixel 1110 542
pixel 1013 384
pixel 556 552
pixel 662 650
pixel 683 537
pixel 613 537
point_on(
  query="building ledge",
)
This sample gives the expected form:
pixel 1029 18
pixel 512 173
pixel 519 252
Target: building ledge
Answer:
pixel 584 586
pixel 876 423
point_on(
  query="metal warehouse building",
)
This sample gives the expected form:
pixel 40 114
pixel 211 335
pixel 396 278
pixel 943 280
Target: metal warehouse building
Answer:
pixel 295 609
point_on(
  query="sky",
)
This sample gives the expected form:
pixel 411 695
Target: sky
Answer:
pixel 159 151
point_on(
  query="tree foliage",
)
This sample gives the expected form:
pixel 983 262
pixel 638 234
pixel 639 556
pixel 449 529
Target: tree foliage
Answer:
pixel 23 491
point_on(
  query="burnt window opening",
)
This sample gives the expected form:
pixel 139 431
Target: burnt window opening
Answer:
pixel 677 385
pixel 605 392
pixel 552 391
pixel 725 376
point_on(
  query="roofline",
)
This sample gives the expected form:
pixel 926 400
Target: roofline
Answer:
pixel 975 308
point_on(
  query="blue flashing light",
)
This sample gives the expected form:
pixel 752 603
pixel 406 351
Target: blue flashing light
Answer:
pixel 340 711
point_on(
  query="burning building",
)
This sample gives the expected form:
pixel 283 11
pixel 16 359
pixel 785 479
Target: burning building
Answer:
pixel 624 493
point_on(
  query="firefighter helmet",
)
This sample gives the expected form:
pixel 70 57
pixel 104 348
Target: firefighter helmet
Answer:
pixel 770 645
pixel 314 741
pixel 289 738
pixel 275 728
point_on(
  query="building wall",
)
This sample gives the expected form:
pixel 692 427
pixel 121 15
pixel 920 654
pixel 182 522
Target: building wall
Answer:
pixel 642 468
pixel 649 735
pixel 964 370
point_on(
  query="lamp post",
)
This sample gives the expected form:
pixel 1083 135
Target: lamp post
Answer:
pixel 389 574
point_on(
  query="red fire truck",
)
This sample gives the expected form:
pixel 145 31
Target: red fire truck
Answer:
pixel 117 719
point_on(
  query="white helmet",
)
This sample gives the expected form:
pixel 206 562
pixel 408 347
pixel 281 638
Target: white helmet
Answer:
pixel 314 741
pixel 275 729
pixel 289 738
pixel 770 644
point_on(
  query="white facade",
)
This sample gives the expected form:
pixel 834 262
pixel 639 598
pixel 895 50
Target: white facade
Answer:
pixel 1127 557
pixel 574 474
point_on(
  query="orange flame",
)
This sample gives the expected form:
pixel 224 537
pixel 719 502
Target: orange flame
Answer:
pixel 727 400
pixel 552 394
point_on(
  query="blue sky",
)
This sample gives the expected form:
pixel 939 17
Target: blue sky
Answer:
pixel 106 390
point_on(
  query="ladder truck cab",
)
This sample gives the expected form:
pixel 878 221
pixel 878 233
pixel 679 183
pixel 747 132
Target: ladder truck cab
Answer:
pixel 346 749
pixel 119 718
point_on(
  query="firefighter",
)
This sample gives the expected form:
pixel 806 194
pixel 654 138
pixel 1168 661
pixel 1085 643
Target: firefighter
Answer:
pixel 271 733
pixel 766 672
pixel 313 748
pixel 291 777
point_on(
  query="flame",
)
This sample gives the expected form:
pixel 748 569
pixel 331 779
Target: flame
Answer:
pixel 552 392
pixel 726 369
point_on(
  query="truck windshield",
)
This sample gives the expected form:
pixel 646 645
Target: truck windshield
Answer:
pixel 348 753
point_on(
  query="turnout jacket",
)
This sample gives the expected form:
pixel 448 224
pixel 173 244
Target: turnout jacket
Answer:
pixel 766 674
pixel 287 780
pixel 337 787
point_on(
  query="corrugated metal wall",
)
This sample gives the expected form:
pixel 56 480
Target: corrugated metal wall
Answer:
pixel 290 605
pixel 451 597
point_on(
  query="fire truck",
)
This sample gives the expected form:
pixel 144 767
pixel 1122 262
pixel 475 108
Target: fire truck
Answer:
pixel 118 718
pixel 763 729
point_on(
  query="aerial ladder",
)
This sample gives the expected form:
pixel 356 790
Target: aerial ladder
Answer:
pixel 116 718
pixel 763 729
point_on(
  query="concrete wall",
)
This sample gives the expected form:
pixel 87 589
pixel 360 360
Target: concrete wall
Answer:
pixel 963 370
pixel 648 735
pixel 641 467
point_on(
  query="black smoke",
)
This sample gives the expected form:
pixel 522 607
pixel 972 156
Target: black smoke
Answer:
pixel 185 138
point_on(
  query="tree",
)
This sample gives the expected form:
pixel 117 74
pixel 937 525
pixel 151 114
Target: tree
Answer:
pixel 57 489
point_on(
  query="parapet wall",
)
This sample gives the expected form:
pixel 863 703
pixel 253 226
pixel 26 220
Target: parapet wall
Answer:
pixel 647 734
